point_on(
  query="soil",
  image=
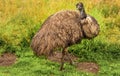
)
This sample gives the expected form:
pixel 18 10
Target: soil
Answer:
pixel 82 66
pixel 7 59
pixel 88 67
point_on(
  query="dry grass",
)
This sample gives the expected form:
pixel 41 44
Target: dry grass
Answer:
pixel 18 17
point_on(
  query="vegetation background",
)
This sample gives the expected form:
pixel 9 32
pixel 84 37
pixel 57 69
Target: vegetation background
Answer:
pixel 21 19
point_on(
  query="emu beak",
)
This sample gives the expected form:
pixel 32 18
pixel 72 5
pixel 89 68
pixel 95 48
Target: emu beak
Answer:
pixel 79 7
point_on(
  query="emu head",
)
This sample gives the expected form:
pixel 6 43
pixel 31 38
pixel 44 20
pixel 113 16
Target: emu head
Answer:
pixel 90 27
pixel 80 6
pixel 81 9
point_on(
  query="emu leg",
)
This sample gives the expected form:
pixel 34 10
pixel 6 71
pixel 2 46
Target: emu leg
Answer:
pixel 62 59
pixel 70 60
pixel 51 53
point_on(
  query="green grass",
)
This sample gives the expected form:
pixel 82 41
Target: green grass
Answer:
pixel 19 21
pixel 29 65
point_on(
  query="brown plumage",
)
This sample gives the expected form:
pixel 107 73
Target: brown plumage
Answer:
pixel 61 30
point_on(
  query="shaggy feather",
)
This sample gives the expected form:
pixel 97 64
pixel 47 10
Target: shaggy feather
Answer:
pixel 61 30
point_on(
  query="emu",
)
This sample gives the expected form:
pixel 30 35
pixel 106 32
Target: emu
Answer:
pixel 63 29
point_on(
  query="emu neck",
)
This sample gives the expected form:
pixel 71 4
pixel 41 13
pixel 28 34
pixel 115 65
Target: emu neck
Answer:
pixel 82 23
pixel 83 14
pixel 83 33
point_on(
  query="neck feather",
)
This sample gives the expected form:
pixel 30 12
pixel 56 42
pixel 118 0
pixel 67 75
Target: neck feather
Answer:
pixel 83 14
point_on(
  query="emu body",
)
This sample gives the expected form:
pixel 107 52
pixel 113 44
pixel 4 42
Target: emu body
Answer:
pixel 61 30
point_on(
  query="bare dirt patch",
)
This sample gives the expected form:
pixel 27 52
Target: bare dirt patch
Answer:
pixel 88 67
pixel 7 59
pixel 82 66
